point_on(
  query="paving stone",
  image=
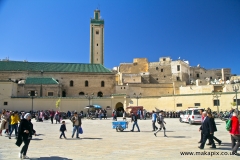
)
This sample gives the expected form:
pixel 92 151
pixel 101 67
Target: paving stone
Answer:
pixel 100 141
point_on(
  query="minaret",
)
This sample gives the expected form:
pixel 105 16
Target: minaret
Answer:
pixel 97 39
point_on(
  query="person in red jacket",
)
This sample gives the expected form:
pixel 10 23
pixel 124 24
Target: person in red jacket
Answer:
pixel 235 134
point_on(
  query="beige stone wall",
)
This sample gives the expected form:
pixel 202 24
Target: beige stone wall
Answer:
pixel 160 72
pixel 131 78
pixel 24 89
pixel 139 65
pixel 196 89
pixel 167 103
pixel 211 73
pixel 94 81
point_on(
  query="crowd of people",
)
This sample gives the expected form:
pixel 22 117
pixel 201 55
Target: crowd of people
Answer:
pixel 208 127
pixel 21 123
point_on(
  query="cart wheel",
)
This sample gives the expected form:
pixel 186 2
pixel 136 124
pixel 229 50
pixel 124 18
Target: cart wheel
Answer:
pixel 116 129
pixel 121 130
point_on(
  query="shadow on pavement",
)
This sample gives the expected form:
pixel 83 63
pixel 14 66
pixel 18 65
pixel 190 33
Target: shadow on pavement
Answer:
pixel 36 139
pixel 225 144
pixel 178 137
pixel 50 158
pixel 155 131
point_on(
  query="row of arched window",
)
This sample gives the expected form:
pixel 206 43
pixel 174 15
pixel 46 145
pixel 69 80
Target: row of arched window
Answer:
pixel 86 83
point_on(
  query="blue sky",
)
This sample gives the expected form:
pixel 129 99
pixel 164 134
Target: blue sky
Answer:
pixel 205 32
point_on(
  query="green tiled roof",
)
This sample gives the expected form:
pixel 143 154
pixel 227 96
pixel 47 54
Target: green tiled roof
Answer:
pixel 41 81
pixel 52 67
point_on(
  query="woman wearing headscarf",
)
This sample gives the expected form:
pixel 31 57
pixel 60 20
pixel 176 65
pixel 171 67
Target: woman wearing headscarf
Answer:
pixel 4 121
pixel 25 132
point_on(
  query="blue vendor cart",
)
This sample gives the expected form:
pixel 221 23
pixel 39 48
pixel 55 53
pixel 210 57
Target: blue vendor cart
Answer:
pixel 119 125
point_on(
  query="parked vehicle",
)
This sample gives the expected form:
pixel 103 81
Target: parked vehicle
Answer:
pixel 191 115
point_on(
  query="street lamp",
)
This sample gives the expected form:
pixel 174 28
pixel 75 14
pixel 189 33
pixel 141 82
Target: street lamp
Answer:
pixel 216 95
pixel 137 97
pixel 235 89
pixel 89 97
pixel 32 95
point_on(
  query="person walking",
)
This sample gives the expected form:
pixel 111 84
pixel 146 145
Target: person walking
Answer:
pixel 154 118
pixel 25 133
pixel 14 124
pixel 57 117
pixel 207 130
pixel 76 120
pixel 100 114
pixel 202 117
pixel 4 121
pixel 134 120
pixel 235 133
pixel 52 115
pixel 160 121
pixel 144 114
pixel 62 130
pixel 105 114
pixel 214 130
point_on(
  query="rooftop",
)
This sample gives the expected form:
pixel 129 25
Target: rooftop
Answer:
pixel 52 67
pixel 46 81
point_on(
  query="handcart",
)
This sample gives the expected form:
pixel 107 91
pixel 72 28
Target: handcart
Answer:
pixel 120 125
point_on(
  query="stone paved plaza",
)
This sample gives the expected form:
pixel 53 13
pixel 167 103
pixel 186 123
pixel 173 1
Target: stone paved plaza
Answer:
pixel 100 141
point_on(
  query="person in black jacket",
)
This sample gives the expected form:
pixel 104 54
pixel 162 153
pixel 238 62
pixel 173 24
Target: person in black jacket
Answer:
pixel 207 130
pixel 134 120
pixel 214 130
pixel 25 132
pixel 62 130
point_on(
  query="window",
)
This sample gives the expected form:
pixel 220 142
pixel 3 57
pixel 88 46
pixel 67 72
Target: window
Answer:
pixel 227 78
pixel 50 94
pixel 100 94
pixel 196 104
pixel 71 83
pixel 97 59
pixel 178 78
pixel 97 31
pixel 5 103
pixel 102 84
pixel 81 94
pixel 86 83
pixel 32 93
pixel 156 78
pixel 164 76
pixel 196 112
pixel 238 101
pixel 123 87
pixel 190 74
pixel 178 67
pixel 179 104
pixel 216 102
pixel 97 44
pixel 210 77
pixel 156 68
pixel 197 75
pixel 164 59
pixel 97 52
pixel 161 70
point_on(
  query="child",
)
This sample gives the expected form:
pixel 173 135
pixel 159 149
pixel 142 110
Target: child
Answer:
pixel 63 129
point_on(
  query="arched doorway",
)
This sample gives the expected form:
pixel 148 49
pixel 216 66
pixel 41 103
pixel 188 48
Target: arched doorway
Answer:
pixel 100 94
pixel 63 94
pixel 119 108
